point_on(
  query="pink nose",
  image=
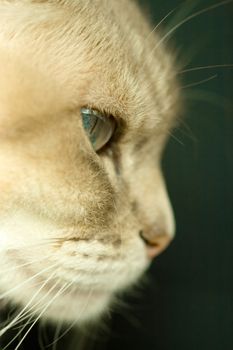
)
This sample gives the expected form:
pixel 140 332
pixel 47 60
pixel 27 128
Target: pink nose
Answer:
pixel 155 242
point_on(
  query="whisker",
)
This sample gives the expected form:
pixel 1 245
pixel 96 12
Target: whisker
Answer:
pixel 160 23
pixel 175 138
pixel 210 97
pixel 74 322
pixel 22 313
pixel 185 20
pixel 199 82
pixel 45 241
pixel 185 9
pixel 206 67
pixel 2 296
pixel 56 337
pixel 175 27
pixel 42 335
pixel 12 268
pixel 59 293
pixel 30 313
pixel 29 320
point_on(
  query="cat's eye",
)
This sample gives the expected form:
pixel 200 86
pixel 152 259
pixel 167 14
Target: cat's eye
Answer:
pixel 99 127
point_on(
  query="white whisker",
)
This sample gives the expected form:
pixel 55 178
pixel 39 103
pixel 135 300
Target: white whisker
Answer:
pixel 73 323
pixel 2 296
pixel 185 9
pixel 160 23
pixel 210 97
pixel 25 310
pixel 178 25
pixel 12 268
pixel 206 67
pixel 56 336
pixel 169 32
pixel 35 244
pixel 59 293
pixel 32 317
pixel 199 82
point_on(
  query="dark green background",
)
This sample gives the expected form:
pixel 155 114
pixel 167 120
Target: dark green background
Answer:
pixel 189 302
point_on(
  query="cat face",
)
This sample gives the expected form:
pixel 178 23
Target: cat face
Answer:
pixel 77 225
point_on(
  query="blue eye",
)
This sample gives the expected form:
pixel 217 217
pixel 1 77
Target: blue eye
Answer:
pixel 99 128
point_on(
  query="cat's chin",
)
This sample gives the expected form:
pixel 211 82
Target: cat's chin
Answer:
pixel 79 307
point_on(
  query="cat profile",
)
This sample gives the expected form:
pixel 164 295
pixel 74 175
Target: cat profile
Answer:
pixel 88 95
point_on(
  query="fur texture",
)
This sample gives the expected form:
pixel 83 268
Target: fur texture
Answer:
pixel 68 219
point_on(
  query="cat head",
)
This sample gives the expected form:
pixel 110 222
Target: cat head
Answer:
pixel 79 222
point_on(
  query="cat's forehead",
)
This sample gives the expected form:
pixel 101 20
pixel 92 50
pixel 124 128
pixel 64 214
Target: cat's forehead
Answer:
pixel 60 58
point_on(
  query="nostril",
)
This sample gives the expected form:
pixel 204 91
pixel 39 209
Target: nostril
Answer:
pixel 146 241
pixel 155 243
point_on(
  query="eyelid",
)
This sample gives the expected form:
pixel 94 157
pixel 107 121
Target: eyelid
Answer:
pixel 86 110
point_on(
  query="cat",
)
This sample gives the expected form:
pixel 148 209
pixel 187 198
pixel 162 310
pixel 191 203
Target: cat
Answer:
pixel 88 96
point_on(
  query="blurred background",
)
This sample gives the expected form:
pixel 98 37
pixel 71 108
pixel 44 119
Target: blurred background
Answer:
pixel 189 301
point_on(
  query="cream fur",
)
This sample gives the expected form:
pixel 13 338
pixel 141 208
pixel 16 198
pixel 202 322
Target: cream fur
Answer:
pixel 60 201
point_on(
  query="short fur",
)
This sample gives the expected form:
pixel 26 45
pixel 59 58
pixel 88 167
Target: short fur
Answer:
pixel 61 203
